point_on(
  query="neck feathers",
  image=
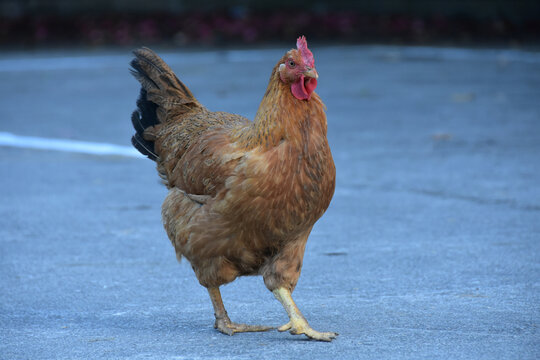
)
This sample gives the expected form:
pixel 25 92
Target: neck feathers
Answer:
pixel 282 117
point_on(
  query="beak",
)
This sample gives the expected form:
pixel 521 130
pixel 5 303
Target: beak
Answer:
pixel 311 72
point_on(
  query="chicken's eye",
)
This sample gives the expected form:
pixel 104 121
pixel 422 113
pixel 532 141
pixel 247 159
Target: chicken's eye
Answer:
pixel 292 63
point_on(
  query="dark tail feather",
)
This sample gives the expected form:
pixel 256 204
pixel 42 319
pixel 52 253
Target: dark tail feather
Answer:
pixel 143 118
pixel 160 90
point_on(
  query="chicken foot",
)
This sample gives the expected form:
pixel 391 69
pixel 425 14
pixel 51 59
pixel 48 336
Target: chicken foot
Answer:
pixel 298 323
pixel 223 323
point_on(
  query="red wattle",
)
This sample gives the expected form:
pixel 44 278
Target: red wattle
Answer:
pixel 302 90
pixel 311 85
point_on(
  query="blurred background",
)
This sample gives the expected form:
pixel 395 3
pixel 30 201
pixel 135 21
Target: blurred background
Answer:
pixel 38 23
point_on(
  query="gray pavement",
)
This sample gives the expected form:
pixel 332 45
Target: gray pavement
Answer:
pixel 430 249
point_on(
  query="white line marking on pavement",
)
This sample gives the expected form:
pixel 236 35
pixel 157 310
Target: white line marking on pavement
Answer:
pixel 83 147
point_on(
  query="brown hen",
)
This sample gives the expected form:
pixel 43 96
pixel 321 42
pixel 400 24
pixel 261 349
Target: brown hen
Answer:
pixel 243 196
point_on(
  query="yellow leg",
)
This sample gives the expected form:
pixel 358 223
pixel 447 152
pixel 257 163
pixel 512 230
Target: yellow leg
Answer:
pixel 298 323
pixel 223 323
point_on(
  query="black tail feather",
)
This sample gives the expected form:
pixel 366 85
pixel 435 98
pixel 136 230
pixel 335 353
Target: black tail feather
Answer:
pixel 144 147
pixel 160 88
pixel 146 111
pixel 144 117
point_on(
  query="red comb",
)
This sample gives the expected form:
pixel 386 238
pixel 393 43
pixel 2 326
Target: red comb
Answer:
pixel 307 56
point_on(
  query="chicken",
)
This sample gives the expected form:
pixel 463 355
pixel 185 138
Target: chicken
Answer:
pixel 243 196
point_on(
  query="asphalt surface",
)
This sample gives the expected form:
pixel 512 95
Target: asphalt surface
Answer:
pixel 429 250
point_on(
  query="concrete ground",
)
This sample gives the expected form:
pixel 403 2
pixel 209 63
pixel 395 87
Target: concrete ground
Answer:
pixel 430 249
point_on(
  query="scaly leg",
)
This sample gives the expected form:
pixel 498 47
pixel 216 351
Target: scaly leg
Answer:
pixel 298 323
pixel 223 323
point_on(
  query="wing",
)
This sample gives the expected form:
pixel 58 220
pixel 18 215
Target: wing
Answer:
pixel 197 154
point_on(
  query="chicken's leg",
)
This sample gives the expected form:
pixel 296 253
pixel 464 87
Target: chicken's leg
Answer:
pixel 298 323
pixel 223 323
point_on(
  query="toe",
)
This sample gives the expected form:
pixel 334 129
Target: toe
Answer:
pixel 249 328
pixel 285 327
pixel 321 336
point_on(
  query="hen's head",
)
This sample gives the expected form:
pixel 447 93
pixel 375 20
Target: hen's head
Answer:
pixel 298 70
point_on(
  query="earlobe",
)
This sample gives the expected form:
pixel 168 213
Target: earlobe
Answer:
pixel 281 72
